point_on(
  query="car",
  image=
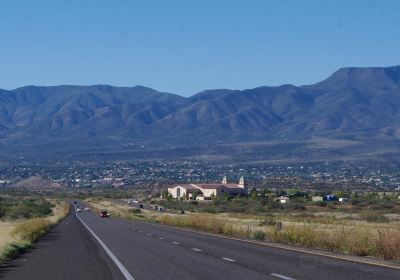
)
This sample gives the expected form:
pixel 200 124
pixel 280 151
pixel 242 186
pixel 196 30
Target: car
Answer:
pixel 155 207
pixel 141 206
pixel 87 209
pixel 78 209
pixel 104 214
pixel 160 209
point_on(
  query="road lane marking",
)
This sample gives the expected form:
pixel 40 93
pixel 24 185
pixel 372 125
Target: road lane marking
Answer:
pixel 162 238
pixel 196 249
pixel 176 243
pixel 120 266
pixel 282 276
pixel 228 259
pixel 149 234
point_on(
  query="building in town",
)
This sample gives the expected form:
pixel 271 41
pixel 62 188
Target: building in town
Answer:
pixel 317 198
pixel 207 191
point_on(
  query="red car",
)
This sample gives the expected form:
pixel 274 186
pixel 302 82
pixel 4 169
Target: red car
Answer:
pixel 104 214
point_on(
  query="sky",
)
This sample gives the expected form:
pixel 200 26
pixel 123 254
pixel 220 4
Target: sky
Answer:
pixel 186 46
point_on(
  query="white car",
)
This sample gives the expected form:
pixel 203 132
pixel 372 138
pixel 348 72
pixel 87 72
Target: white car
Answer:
pixel 87 209
pixel 78 210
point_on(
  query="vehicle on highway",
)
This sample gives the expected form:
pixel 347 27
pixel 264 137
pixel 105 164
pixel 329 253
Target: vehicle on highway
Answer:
pixel 104 214
pixel 160 209
pixel 155 207
pixel 78 209
pixel 87 209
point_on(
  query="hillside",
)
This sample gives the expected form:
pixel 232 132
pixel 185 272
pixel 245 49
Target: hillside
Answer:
pixel 353 113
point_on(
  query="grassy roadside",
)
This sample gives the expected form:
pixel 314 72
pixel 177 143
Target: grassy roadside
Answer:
pixel 353 237
pixel 17 236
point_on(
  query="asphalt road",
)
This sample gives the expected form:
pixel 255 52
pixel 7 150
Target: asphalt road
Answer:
pixel 148 251
pixel 67 251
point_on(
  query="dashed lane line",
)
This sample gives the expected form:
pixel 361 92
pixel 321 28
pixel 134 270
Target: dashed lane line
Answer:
pixel 282 276
pixel 228 259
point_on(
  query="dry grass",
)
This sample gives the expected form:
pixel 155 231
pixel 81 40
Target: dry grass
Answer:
pixel 5 234
pixel 17 236
pixel 31 229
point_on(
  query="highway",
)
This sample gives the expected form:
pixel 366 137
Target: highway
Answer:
pixel 86 246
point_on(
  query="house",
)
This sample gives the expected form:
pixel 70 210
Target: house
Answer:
pixel 283 199
pixel 207 191
pixel 317 198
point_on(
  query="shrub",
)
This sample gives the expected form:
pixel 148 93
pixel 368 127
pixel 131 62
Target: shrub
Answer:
pixel 295 205
pixel 268 221
pixel 29 208
pixel 135 211
pixel 2 211
pixel 272 205
pixel 384 205
pixel 320 203
pixel 259 235
pixel 14 249
pixel 374 217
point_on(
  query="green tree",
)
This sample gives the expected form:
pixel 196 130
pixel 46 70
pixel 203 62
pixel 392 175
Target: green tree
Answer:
pixel 253 194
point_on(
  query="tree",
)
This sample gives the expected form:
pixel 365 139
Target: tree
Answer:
pixel 164 194
pixel 253 194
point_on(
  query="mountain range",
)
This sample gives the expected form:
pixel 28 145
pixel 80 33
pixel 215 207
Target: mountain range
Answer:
pixel 353 114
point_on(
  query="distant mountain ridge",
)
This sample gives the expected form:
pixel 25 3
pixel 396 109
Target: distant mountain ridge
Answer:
pixel 357 106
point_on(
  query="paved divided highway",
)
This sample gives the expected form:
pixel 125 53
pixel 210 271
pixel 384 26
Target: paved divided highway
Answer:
pixel 89 247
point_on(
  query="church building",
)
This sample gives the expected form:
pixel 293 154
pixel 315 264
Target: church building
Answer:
pixel 206 191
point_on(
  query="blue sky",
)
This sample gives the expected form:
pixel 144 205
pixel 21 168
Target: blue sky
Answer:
pixel 187 46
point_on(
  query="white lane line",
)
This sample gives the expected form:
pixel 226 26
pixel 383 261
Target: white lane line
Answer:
pixel 176 243
pixel 149 234
pixel 282 276
pixel 140 230
pixel 228 259
pixel 120 266
pixel 161 238
pixel 196 249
